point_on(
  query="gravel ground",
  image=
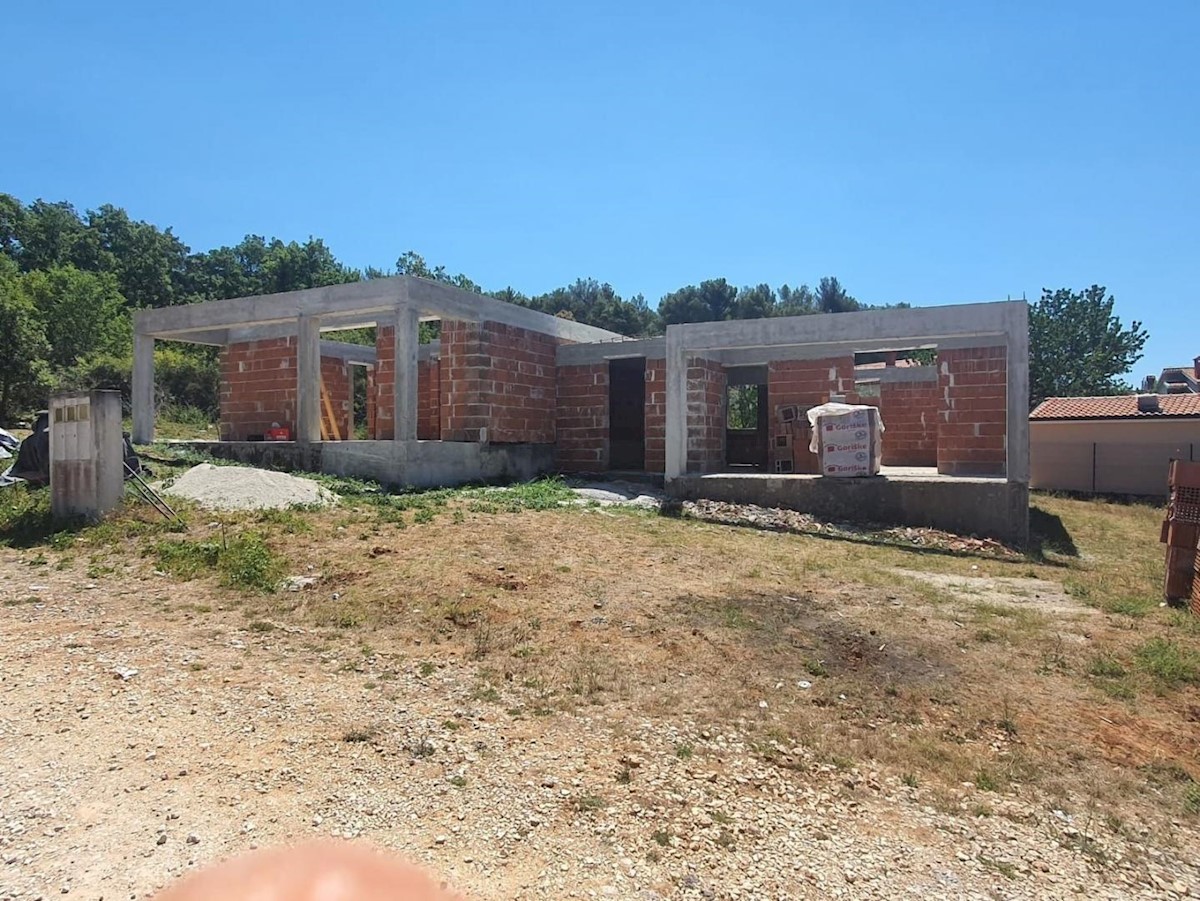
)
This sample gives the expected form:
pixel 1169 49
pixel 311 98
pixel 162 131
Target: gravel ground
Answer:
pixel 245 488
pixel 140 738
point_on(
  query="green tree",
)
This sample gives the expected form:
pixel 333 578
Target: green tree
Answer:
pixel 831 297
pixel 149 264
pixel 1077 347
pixel 24 377
pixel 710 301
pixel 81 312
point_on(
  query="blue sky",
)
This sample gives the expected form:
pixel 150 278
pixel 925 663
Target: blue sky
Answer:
pixel 930 152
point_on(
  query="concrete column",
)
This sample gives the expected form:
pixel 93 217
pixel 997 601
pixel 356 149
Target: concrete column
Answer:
pixel 308 380
pixel 1017 438
pixel 143 388
pixel 407 332
pixel 676 415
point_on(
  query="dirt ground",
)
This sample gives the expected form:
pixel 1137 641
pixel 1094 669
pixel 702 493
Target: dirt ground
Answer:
pixel 593 703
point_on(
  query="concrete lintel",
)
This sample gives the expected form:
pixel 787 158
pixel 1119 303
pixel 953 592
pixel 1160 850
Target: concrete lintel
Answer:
pixel 587 354
pixel 862 329
pixel 430 351
pixel 362 354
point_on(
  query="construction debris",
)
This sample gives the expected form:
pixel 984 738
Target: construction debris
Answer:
pixel 780 520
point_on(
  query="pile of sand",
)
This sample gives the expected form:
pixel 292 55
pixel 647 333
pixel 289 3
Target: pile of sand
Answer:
pixel 246 488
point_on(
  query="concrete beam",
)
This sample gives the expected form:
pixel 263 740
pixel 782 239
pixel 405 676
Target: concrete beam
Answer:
pixel 897 374
pixel 407 328
pixel 866 330
pixel 361 354
pixel 143 389
pixel 600 352
pixel 352 305
pixel 455 303
pixel 308 380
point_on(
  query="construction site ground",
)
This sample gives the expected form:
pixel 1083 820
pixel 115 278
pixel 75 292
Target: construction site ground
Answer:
pixel 540 698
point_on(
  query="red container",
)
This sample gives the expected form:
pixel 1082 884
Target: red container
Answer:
pixel 280 434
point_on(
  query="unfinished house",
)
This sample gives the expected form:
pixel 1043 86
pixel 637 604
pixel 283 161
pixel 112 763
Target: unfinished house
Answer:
pixel 718 409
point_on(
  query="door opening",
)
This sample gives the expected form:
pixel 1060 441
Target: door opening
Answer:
pixel 627 413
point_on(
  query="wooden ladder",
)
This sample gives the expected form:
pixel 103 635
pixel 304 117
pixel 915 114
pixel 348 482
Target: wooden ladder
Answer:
pixel 330 428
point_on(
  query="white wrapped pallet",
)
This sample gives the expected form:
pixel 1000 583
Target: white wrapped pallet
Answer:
pixel 847 439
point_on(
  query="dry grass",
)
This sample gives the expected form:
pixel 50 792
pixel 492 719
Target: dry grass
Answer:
pixel 1058 673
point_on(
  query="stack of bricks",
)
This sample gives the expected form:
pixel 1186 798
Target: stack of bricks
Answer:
pixel 499 383
pixel 802 384
pixel 910 412
pixel 1181 534
pixel 706 385
pixel 582 418
pixel 656 415
pixel 972 434
pixel 258 388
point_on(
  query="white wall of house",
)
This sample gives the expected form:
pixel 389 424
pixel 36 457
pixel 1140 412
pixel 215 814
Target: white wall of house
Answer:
pixel 1109 456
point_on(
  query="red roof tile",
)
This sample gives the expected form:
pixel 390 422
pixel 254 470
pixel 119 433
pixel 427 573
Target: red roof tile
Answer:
pixel 1122 406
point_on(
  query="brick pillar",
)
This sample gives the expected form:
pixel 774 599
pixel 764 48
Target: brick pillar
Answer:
pixel 706 384
pixel 581 433
pixel 656 415
pixel 973 421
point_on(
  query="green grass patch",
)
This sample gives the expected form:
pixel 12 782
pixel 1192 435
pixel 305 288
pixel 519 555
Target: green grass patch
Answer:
pixel 1170 664
pixel 244 561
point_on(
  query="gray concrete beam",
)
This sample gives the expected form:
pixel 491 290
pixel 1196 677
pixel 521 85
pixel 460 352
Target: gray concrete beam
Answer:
pixel 360 354
pixel 308 380
pixel 352 305
pixel 600 352
pixel 676 413
pixel 143 389
pixel 897 374
pixel 906 328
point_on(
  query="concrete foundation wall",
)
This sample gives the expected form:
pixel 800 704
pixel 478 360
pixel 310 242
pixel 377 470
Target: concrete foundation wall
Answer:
pixel 985 507
pixel 414 464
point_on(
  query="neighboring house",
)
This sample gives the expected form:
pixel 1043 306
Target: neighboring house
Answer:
pixel 1112 445
pixel 1180 379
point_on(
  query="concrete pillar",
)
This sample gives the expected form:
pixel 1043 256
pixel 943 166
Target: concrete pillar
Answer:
pixel 308 380
pixel 1017 438
pixel 676 416
pixel 407 336
pixel 143 388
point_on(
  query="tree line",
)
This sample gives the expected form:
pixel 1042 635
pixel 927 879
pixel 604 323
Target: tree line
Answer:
pixel 68 281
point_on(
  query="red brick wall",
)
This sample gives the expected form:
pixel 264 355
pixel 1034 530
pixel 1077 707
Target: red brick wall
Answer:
pixel 803 384
pixel 705 415
pixel 429 399
pixel 499 379
pixel 974 417
pixel 258 387
pixel 335 380
pixel 581 432
pixel 381 409
pixel 656 415
pixel 911 412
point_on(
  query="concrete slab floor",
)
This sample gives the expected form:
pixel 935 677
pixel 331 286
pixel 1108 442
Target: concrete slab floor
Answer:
pixel 893 473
